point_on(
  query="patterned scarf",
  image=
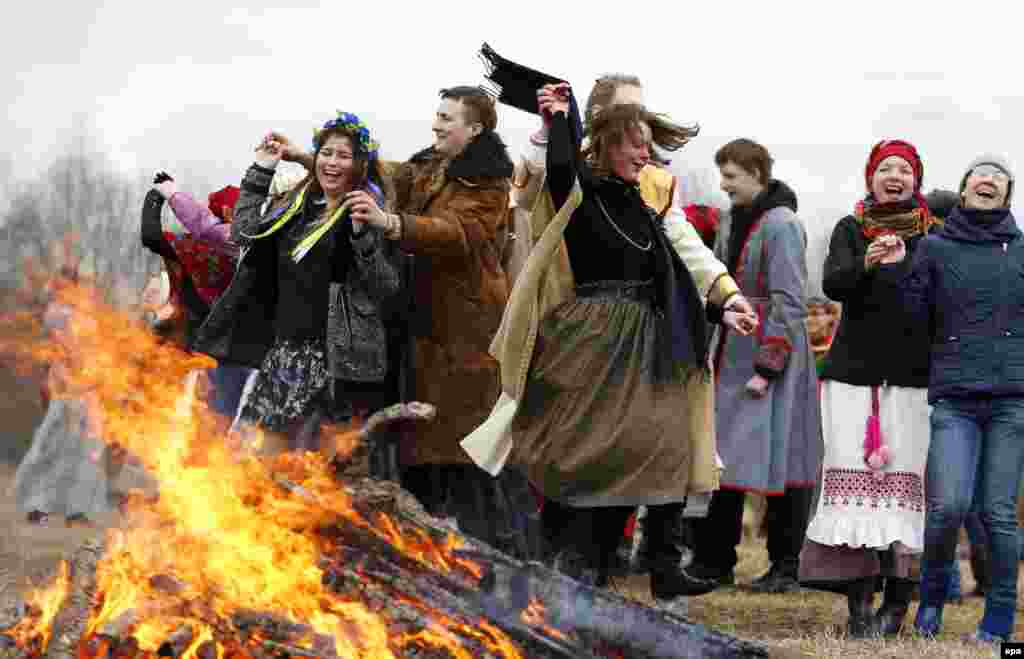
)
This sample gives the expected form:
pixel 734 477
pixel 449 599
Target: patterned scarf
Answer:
pixel 904 219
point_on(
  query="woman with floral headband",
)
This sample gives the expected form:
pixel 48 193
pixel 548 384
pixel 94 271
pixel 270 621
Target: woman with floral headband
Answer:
pixel 309 303
pixel 451 206
pixel 870 517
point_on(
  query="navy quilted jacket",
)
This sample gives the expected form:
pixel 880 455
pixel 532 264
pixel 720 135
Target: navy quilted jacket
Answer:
pixel 966 284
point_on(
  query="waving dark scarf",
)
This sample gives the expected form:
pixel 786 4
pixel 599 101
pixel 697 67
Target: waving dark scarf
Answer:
pixel 516 85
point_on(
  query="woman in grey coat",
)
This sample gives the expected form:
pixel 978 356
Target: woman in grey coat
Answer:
pixel 766 403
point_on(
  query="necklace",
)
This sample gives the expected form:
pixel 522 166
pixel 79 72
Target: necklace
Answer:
pixel 604 211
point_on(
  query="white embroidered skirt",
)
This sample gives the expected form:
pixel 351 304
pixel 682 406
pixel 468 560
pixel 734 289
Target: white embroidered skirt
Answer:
pixel 856 507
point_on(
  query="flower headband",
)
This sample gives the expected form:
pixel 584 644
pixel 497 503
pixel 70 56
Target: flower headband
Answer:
pixel 353 124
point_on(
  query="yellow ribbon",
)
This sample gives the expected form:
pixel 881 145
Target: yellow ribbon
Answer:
pixel 309 241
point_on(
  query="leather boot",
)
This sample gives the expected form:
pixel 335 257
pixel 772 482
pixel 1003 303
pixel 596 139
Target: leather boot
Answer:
pixel 889 617
pixel 669 579
pixel 981 568
pixel 860 596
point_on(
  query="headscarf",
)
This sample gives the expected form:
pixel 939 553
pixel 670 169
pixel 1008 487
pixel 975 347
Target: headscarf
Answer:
pixel 223 199
pixel 904 219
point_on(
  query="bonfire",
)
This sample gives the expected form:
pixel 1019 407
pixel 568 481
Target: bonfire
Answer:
pixel 242 556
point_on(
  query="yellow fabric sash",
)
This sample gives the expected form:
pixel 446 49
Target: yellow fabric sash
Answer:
pixel 314 236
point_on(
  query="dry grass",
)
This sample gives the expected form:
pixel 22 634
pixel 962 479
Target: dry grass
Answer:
pixel 810 623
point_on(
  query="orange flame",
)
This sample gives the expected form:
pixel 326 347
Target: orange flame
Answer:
pixel 221 527
pixel 47 602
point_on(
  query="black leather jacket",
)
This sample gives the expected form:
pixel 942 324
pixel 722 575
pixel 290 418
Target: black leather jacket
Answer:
pixel 240 326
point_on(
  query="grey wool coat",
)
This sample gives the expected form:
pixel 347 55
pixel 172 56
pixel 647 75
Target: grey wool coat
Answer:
pixel 771 443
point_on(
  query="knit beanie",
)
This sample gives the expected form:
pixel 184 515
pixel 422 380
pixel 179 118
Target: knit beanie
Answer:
pixel 996 161
pixel 900 148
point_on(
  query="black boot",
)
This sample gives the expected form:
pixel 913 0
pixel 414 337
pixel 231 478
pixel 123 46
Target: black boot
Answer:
pixel 781 578
pixel 860 596
pixel 669 579
pixel 981 568
pixel 889 617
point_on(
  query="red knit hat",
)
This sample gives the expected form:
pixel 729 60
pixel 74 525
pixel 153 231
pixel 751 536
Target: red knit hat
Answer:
pixel 904 150
pixel 223 199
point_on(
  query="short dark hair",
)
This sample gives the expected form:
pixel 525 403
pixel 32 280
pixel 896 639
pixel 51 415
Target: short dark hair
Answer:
pixel 480 106
pixel 748 155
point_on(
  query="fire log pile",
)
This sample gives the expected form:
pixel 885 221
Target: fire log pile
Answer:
pixel 291 556
pixel 486 605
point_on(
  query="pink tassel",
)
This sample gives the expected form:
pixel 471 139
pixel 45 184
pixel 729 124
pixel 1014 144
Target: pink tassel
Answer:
pixel 876 453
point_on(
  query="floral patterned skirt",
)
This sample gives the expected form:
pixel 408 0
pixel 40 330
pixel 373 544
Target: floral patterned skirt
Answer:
pixel 292 385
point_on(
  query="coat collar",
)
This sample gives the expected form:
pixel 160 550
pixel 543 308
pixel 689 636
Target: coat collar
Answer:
pixel 484 157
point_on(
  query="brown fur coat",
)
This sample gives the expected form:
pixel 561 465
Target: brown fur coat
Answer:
pixel 454 222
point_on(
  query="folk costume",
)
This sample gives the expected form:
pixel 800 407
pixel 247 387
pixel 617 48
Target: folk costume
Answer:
pixel 308 307
pixel 871 513
pixel 602 340
pixel 770 445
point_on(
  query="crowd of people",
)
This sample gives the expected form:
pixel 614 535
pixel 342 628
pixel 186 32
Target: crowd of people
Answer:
pixel 596 345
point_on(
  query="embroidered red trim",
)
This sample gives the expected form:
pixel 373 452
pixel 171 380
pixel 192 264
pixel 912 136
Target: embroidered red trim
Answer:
pixel 860 487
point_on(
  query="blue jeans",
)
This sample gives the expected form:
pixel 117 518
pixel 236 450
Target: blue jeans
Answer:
pixel 228 381
pixel 974 462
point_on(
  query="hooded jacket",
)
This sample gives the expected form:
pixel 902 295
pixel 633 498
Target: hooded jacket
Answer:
pixel 966 284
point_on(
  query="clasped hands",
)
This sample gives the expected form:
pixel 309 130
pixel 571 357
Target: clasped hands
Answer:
pixel 885 249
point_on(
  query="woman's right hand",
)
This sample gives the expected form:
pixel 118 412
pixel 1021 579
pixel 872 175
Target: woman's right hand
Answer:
pixel 552 99
pixel 883 250
pixel 289 151
pixel 269 150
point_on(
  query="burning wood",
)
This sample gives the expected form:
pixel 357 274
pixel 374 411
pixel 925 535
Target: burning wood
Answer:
pixel 297 556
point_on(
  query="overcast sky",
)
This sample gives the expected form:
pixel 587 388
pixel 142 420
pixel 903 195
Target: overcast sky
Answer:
pixel 191 85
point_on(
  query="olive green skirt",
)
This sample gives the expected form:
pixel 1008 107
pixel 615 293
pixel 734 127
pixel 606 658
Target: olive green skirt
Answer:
pixel 594 427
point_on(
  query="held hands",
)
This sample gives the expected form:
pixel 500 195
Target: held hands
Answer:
pixel 552 99
pixel 884 250
pixel 757 386
pixel 363 208
pixel 739 316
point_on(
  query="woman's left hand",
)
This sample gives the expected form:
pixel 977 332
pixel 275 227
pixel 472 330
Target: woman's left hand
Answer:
pixel 741 323
pixel 757 386
pixel 362 208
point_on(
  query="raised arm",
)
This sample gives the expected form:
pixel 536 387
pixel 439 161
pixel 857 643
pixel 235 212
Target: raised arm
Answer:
pixel 199 220
pixel 561 160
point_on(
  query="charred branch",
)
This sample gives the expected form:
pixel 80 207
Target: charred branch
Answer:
pixel 71 620
pixel 176 644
